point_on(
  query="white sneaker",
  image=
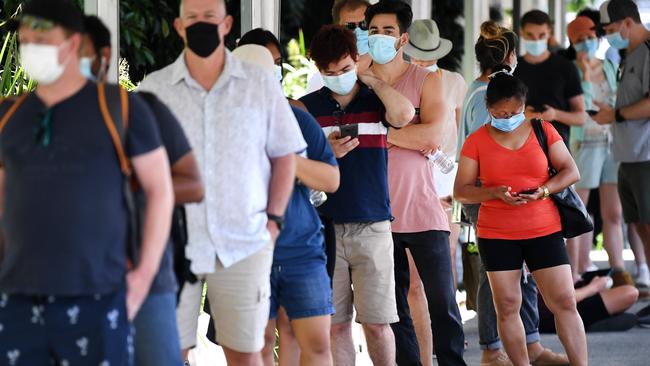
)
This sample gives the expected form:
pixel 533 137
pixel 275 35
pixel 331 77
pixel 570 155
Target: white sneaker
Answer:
pixel 643 276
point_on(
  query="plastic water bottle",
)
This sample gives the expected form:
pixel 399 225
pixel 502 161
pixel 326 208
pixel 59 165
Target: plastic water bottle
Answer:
pixel 441 161
pixel 317 198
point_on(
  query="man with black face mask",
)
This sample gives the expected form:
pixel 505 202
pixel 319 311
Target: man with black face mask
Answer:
pixel 245 139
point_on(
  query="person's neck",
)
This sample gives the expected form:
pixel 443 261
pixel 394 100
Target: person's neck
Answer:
pixel 345 100
pixel 69 84
pixel 206 71
pixel 364 63
pixel 391 72
pixel 638 35
pixel 537 59
pixel 484 76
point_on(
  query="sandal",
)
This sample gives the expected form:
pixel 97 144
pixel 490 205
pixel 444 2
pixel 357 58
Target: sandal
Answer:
pixel 550 358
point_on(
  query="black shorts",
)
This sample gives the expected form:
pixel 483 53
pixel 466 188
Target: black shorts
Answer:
pixel 538 253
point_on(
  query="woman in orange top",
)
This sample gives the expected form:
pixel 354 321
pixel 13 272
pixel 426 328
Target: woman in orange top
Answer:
pixel 517 223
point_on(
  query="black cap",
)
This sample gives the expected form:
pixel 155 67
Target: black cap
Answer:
pixel 612 11
pixel 45 14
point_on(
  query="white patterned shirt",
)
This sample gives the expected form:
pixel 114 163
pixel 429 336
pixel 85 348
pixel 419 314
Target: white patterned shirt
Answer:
pixel 235 129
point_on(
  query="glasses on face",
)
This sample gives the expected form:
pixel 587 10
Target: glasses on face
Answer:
pixel 352 25
pixel 37 23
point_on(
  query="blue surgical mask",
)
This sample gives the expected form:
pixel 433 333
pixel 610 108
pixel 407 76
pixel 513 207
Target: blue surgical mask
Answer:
pixel 508 124
pixel 341 84
pixel 535 48
pixel 617 41
pixel 589 46
pixel 362 40
pixel 86 68
pixel 382 48
pixel 278 72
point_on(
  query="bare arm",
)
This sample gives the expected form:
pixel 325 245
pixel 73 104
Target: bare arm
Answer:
pixel 153 172
pixel 576 117
pixel 639 111
pixel 567 171
pixel 188 186
pixel 317 174
pixel 399 110
pixel 428 133
pixel 283 174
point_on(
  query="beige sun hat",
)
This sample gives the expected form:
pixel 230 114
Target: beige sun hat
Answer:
pixel 425 43
pixel 256 55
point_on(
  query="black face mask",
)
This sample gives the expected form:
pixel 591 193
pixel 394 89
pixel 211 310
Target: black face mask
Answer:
pixel 203 38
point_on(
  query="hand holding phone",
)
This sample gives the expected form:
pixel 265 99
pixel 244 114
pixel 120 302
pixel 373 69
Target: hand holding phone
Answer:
pixel 349 130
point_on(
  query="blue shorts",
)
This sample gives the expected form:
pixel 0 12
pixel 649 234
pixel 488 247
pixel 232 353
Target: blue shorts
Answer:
pixel 303 290
pixel 156 334
pixel 46 330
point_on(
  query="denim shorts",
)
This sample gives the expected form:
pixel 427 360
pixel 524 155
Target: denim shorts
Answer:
pixel 596 165
pixel 303 290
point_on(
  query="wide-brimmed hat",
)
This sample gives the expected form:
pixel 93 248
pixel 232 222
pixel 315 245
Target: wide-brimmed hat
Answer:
pixel 256 55
pixel 425 42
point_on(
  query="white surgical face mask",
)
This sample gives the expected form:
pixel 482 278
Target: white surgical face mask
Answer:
pixel 86 68
pixel 41 62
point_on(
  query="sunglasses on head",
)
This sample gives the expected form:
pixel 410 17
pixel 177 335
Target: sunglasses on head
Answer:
pixel 37 23
pixel 352 25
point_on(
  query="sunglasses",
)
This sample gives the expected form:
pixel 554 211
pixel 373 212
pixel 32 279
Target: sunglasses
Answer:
pixel 352 25
pixel 37 23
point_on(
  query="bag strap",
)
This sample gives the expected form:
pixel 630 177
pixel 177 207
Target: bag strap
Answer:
pixel 543 142
pixel 113 104
pixel 14 107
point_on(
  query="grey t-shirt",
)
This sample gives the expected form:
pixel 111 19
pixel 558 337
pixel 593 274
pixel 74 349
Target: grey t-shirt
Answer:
pixel 632 138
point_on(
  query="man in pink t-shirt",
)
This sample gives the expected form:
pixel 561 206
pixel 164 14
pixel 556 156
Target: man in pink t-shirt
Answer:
pixel 420 223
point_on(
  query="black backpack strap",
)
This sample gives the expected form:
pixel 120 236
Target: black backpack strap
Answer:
pixel 538 128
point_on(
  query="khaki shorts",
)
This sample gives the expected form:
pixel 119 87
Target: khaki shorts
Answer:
pixel 364 260
pixel 239 299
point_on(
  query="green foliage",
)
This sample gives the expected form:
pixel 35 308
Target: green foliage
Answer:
pixel 297 69
pixel 148 39
pixel 575 6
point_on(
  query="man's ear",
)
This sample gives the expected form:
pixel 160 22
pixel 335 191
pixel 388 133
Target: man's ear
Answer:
pixel 403 39
pixel 180 29
pixel 227 25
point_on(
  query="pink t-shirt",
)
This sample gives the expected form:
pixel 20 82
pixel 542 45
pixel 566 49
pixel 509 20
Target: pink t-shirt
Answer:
pixel 413 198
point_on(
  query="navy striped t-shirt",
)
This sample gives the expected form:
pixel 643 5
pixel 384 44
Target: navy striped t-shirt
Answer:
pixel 363 193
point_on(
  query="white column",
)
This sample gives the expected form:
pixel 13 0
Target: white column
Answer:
pixel 476 12
pixel 109 12
pixel 260 14
pixel 421 9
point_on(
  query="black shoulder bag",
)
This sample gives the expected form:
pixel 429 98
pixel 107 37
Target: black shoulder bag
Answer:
pixel 573 213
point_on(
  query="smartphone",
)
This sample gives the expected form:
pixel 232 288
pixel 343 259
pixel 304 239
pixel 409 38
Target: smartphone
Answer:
pixel 587 277
pixel 592 112
pixel 528 191
pixel 350 130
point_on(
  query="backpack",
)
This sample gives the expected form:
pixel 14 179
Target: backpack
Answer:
pixel 114 106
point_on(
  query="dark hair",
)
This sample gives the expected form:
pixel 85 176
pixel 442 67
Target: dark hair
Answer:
pixel 504 86
pixel 494 45
pixel 332 43
pixel 537 17
pixel 621 9
pixel 98 33
pixel 401 10
pixel 594 15
pixel 350 4
pixel 260 37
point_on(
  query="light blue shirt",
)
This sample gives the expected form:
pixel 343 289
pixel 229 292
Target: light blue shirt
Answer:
pixel 474 113
pixel 235 129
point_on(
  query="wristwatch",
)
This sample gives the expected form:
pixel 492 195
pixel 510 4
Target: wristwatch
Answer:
pixel 618 116
pixel 279 220
pixel 547 193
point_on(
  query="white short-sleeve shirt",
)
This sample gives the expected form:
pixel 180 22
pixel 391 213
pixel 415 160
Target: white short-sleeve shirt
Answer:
pixel 235 130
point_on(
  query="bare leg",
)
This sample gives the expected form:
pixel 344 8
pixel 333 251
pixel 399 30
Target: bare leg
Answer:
pixel 619 299
pixel 343 345
pixel 313 337
pixel 268 352
pixel 234 358
pixel 636 244
pixel 611 211
pixel 420 313
pixel 506 293
pixel 381 344
pixel 555 286
pixel 289 348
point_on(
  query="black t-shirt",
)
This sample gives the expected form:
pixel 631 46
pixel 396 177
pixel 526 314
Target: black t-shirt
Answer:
pixel 553 82
pixel 176 143
pixel 65 220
